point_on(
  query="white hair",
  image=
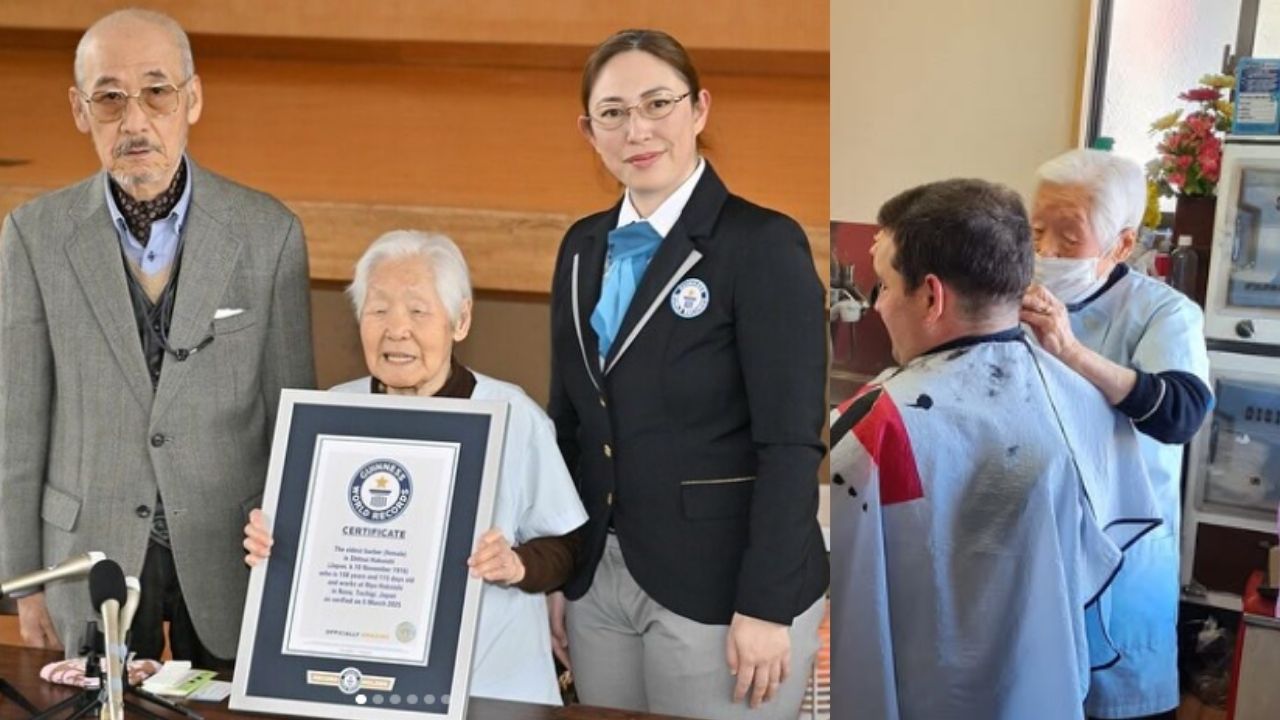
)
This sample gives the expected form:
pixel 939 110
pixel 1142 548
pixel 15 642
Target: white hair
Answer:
pixel 160 20
pixel 443 259
pixel 1116 186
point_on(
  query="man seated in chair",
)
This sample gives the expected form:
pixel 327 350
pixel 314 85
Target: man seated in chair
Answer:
pixel 983 492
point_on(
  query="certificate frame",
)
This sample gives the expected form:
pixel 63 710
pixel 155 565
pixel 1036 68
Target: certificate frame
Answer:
pixel 274 676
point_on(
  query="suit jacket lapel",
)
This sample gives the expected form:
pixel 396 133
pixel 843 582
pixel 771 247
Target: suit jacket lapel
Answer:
pixel 683 247
pixel 95 257
pixel 588 276
pixel 209 251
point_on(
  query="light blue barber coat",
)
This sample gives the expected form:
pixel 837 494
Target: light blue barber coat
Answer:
pixel 1144 324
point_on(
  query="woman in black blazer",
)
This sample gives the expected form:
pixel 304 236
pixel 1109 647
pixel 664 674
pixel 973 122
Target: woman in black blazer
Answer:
pixel 688 381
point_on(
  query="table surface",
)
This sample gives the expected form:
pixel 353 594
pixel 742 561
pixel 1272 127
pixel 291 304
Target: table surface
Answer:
pixel 21 668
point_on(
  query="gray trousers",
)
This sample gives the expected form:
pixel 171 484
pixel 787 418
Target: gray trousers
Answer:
pixel 629 652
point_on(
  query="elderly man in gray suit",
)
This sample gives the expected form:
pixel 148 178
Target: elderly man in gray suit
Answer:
pixel 149 317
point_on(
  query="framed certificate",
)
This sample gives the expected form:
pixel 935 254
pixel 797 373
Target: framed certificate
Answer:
pixel 365 609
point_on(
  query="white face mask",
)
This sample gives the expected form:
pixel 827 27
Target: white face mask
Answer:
pixel 1069 279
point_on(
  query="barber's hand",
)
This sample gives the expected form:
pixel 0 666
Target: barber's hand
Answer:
pixel 257 538
pixel 494 561
pixel 1047 317
pixel 559 634
pixel 759 654
pixel 34 624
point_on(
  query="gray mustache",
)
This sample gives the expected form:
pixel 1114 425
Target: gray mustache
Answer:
pixel 132 145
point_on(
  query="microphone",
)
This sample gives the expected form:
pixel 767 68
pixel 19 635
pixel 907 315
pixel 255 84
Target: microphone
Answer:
pixel 78 565
pixel 132 596
pixel 108 590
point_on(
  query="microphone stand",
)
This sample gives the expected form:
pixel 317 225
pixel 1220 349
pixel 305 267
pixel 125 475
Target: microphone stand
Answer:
pixel 92 699
pixel 88 699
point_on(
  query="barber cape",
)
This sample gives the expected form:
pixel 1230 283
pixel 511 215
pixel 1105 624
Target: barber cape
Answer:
pixel 983 497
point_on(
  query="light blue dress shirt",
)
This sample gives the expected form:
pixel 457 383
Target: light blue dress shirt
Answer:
pixel 166 233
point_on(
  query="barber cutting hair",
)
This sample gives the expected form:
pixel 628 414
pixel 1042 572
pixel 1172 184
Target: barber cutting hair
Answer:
pixel 982 493
pixel 1141 343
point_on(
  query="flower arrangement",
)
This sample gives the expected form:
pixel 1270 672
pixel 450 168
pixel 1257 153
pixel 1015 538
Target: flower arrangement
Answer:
pixel 1151 215
pixel 1191 145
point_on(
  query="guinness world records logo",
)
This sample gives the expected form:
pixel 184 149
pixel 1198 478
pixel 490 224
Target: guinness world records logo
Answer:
pixel 349 681
pixel 380 491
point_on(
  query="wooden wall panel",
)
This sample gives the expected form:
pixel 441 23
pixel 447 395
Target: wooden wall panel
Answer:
pixel 800 25
pixel 9 631
pixel 488 155
pixel 421 136
pixel 506 251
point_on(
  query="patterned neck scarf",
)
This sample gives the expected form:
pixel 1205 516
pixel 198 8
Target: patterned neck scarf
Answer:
pixel 139 214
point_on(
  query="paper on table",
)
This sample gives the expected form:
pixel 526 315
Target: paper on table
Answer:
pixel 215 691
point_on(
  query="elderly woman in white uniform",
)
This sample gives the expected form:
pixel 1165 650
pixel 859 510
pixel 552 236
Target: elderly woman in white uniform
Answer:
pixel 1141 343
pixel 412 295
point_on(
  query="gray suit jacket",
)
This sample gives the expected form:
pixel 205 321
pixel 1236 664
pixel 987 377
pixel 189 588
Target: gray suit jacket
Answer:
pixel 84 440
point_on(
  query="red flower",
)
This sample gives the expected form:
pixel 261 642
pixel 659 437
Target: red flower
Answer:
pixel 1200 94
pixel 1210 158
pixel 1190 148
pixel 1200 123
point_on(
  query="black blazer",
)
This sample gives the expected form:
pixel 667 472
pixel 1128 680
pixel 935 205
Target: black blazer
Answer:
pixel 701 439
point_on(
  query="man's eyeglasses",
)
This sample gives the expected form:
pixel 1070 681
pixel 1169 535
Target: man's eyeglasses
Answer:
pixel 612 116
pixel 156 100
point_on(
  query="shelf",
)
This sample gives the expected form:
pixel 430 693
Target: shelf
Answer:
pixel 1215 599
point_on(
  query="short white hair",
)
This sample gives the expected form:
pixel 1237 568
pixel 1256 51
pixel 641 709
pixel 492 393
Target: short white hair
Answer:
pixel 443 258
pixel 1117 189
pixel 164 22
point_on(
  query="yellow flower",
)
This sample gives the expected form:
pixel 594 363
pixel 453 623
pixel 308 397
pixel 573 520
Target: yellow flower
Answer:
pixel 1218 81
pixel 1225 108
pixel 1165 122
pixel 1151 217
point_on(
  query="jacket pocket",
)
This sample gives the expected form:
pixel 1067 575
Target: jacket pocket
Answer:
pixel 240 321
pixel 60 509
pixel 717 497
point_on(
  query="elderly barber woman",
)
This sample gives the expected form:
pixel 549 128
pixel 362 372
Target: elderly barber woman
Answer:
pixel 412 295
pixel 1141 343
pixel 688 371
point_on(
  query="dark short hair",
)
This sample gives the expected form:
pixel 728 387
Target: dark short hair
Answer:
pixel 656 43
pixel 972 234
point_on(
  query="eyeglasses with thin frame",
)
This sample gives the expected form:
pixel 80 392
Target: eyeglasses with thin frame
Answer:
pixel 156 100
pixel 612 116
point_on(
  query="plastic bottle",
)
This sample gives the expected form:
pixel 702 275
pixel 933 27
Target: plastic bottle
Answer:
pixel 1185 267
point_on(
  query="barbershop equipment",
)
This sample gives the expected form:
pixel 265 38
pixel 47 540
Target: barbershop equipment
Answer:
pixel 847 302
pixel 1232 482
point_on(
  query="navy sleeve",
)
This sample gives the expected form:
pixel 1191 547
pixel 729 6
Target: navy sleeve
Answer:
pixel 1168 406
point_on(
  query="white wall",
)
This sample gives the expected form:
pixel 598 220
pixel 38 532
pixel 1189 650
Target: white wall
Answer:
pixel 925 90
